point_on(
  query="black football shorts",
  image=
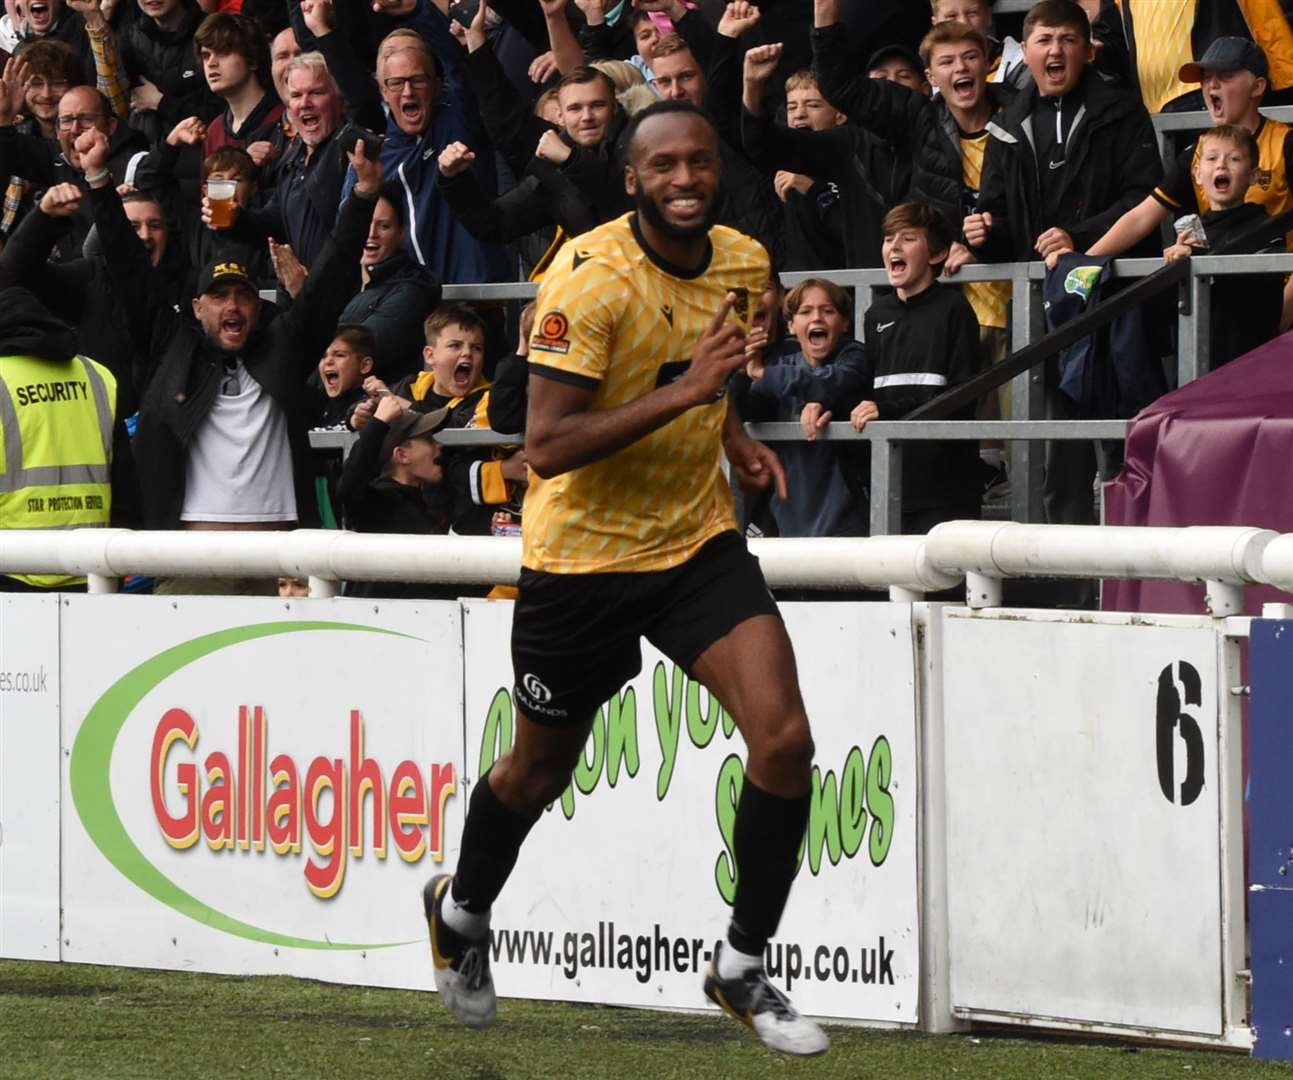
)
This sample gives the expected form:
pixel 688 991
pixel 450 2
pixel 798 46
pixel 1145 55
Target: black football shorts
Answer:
pixel 576 638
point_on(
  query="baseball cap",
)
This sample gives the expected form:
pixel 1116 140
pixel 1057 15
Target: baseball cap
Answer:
pixel 895 52
pixel 409 425
pixel 220 270
pixel 1228 54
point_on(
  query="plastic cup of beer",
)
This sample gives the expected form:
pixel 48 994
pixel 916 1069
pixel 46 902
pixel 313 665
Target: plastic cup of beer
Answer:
pixel 220 194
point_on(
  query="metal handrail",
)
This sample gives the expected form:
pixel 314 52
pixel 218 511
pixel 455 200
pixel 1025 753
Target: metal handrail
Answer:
pixel 1038 352
pixel 885 437
pixel 1226 558
pixel 1025 329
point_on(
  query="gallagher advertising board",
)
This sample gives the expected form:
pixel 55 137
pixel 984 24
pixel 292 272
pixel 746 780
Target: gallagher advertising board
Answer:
pixel 258 787
pixel 624 886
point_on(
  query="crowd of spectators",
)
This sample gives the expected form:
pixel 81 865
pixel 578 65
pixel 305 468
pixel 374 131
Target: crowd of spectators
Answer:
pixel 167 165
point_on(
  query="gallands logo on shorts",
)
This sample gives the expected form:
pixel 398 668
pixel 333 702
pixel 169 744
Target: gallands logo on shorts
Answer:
pixel 536 689
pixel 242 798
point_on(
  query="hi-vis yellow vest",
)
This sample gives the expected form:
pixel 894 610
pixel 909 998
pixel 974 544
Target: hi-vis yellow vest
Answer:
pixel 55 447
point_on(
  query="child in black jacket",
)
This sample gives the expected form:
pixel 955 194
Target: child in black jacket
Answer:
pixel 921 340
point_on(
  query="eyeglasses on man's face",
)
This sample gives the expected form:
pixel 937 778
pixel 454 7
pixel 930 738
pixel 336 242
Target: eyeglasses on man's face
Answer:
pixel 78 120
pixel 396 83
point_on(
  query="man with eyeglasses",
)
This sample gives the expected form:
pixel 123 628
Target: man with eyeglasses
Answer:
pixel 43 164
pixel 423 121
pixel 223 426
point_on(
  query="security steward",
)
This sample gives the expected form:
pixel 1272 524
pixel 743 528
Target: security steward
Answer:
pixel 64 454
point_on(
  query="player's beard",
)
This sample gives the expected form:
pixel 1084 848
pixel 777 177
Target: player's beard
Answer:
pixel 647 207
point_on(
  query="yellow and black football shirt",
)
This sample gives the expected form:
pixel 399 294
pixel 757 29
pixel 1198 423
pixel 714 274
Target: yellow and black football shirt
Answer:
pixel 990 299
pixel 1180 193
pixel 614 317
pixel 1163 37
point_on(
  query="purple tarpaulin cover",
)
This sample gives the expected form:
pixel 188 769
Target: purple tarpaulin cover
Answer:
pixel 1218 451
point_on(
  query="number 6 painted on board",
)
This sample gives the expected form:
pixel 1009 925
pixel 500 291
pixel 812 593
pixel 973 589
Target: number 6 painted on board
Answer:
pixel 1169 716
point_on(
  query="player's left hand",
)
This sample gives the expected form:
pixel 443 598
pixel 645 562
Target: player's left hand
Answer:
pixel 755 465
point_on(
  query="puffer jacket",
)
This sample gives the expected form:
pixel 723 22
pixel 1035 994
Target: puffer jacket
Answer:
pixel 749 202
pixel 906 119
pixel 870 178
pixel 166 59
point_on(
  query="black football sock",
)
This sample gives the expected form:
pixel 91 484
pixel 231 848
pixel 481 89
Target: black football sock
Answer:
pixel 491 841
pixel 766 841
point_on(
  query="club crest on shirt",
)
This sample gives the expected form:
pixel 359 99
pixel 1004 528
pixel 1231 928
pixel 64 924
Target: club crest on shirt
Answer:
pixel 553 333
pixel 1262 178
pixel 742 305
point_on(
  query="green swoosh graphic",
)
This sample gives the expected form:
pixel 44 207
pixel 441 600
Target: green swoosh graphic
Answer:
pixel 92 791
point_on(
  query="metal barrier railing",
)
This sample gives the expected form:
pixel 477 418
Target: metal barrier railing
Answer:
pixel 1027 326
pixel 1225 558
pixel 1025 430
pixel 885 436
pixel 886 439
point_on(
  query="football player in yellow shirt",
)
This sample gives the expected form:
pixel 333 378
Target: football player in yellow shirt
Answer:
pixel 628 533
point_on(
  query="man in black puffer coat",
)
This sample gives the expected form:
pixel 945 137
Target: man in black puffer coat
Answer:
pixel 157 53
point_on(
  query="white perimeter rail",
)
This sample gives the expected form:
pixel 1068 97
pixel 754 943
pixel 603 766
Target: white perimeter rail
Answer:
pixel 1223 558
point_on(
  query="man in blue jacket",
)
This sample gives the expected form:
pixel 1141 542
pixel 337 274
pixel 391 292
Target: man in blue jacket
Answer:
pixel 423 121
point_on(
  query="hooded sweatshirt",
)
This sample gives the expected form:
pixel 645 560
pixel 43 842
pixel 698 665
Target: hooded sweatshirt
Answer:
pixel 28 329
pixel 820 502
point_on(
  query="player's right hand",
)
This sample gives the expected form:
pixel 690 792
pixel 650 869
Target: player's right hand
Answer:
pixel 719 352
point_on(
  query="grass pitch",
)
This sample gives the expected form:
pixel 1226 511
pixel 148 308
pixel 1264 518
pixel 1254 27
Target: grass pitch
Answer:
pixel 70 1020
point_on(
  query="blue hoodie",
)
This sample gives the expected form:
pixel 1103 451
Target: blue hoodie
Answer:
pixel 434 236
pixel 819 502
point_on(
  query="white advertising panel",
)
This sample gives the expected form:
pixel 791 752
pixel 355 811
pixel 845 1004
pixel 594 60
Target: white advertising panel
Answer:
pixel 623 887
pixel 1082 805
pixel 29 779
pixel 259 786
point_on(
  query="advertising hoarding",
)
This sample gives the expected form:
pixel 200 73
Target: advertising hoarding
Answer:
pixel 29 777
pixel 1084 872
pixel 624 886
pixel 259 786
